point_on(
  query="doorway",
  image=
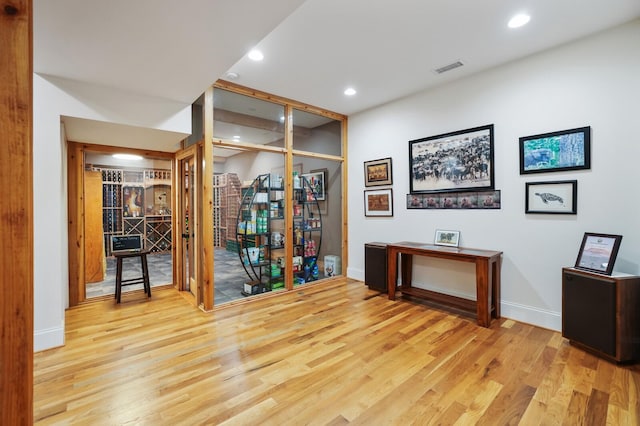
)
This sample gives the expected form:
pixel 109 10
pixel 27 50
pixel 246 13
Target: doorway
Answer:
pixel 187 182
pixel 109 197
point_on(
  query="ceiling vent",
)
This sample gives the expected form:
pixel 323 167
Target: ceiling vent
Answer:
pixel 449 67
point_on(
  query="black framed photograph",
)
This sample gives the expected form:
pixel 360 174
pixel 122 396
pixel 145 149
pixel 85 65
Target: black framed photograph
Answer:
pixel 452 162
pixel 556 151
pixel 447 238
pixel 378 172
pixel 378 202
pixel 598 252
pixel 558 197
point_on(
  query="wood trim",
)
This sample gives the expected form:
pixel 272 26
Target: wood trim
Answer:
pixel 107 149
pixel 207 251
pixel 16 212
pixel 317 155
pixel 226 85
pixel 345 197
pixel 178 227
pixel 288 195
pixel 75 211
pixel 248 146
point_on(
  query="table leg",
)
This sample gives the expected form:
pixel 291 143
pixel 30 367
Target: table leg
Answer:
pixel 406 260
pixel 483 305
pixel 495 287
pixel 392 268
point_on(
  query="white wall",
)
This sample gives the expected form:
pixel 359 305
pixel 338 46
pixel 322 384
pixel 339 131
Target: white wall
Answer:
pixel 591 82
pixel 52 98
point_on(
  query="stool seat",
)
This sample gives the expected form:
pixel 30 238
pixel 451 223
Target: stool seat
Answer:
pixel 144 279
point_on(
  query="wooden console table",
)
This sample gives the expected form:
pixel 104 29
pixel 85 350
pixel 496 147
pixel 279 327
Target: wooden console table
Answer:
pixel 487 304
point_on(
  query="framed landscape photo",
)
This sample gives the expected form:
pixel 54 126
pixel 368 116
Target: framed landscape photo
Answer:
pixel 598 252
pixel 559 197
pixel 378 202
pixel 556 151
pixel 452 162
pixel 317 182
pixel 378 172
pixel 447 238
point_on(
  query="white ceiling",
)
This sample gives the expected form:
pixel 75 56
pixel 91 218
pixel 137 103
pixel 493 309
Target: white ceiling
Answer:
pixel 313 49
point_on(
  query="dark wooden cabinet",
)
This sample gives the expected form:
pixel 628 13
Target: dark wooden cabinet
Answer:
pixel 375 266
pixel 600 313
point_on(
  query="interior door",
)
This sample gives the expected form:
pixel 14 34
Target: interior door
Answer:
pixel 188 224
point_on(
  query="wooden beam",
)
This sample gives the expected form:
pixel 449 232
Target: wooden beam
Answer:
pixel 75 210
pixel 104 149
pixel 16 212
pixel 207 204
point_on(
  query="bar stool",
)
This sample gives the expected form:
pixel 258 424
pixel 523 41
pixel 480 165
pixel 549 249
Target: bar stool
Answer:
pixel 144 279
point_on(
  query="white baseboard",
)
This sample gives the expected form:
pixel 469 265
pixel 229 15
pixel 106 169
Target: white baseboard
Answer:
pixel 48 338
pixel 531 315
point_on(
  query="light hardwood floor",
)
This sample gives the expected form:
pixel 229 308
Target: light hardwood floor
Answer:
pixel 333 354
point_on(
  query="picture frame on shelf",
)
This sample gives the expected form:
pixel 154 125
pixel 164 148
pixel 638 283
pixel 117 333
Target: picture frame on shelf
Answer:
pixel 598 252
pixel 452 162
pixel 557 197
pixel 317 180
pixel 562 150
pixel 378 172
pixel 447 238
pixel 378 202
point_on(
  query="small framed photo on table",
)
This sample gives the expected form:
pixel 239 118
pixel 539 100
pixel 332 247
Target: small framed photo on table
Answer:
pixel 447 238
pixel 598 252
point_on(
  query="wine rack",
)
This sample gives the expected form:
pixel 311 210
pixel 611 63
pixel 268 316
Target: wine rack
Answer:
pixel 152 222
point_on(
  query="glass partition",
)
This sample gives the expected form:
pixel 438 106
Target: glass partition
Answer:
pixel 316 133
pixel 318 221
pixel 242 118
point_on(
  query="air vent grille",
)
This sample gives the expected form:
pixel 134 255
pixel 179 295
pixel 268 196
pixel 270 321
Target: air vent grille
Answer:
pixel 449 67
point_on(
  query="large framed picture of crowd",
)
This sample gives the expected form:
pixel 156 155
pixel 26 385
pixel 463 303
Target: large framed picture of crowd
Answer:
pixel 452 162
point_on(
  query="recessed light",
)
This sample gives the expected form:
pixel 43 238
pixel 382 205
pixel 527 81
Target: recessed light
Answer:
pixel 236 137
pixel 130 157
pixel 519 20
pixel 232 75
pixel 256 55
pixel 350 91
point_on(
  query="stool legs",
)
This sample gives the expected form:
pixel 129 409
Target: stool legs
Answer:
pixel 145 275
pixel 144 280
pixel 118 278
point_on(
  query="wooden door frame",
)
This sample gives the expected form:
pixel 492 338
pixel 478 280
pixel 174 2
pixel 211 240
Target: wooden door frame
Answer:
pixel 75 206
pixel 179 268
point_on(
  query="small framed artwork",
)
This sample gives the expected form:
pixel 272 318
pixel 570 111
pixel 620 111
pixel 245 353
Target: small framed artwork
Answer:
pixel 317 182
pixel 447 238
pixel 132 201
pixel 556 151
pixel 598 252
pixel 378 202
pixel 559 197
pixel 378 172
pixel 452 162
